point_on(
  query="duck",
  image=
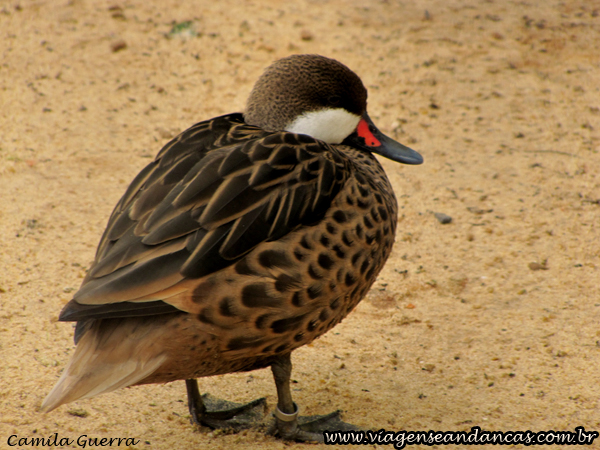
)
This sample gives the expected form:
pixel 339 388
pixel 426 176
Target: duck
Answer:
pixel 248 236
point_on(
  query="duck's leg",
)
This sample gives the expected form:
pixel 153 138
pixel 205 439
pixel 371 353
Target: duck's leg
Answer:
pixel 216 413
pixel 288 424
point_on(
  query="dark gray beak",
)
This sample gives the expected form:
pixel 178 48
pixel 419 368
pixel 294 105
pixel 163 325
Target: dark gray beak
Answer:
pixel 368 137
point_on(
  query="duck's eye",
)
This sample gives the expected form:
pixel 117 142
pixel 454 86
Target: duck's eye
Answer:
pixel 334 100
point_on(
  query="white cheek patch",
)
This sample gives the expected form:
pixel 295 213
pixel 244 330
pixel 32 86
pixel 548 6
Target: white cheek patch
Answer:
pixel 329 125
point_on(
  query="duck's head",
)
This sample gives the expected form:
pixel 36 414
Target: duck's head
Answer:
pixel 322 98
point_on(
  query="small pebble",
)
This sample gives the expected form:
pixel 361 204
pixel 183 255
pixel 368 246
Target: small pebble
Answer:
pixel 538 266
pixel 78 413
pixel 118 45
pixel 443 218
pixel 306 35
pixel 428 367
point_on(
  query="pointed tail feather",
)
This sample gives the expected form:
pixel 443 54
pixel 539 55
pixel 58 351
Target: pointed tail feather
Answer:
pixel 109 356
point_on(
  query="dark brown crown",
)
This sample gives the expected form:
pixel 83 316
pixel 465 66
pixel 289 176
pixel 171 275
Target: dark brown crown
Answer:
pixel 302 83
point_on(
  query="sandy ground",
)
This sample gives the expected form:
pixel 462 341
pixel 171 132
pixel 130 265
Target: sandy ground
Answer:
pixel 490 321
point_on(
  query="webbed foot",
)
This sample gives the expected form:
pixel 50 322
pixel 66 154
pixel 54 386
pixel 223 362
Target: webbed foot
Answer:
pixel 308 428
pixel 212 412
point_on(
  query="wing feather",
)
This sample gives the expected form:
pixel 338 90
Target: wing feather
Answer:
pixel 212 195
